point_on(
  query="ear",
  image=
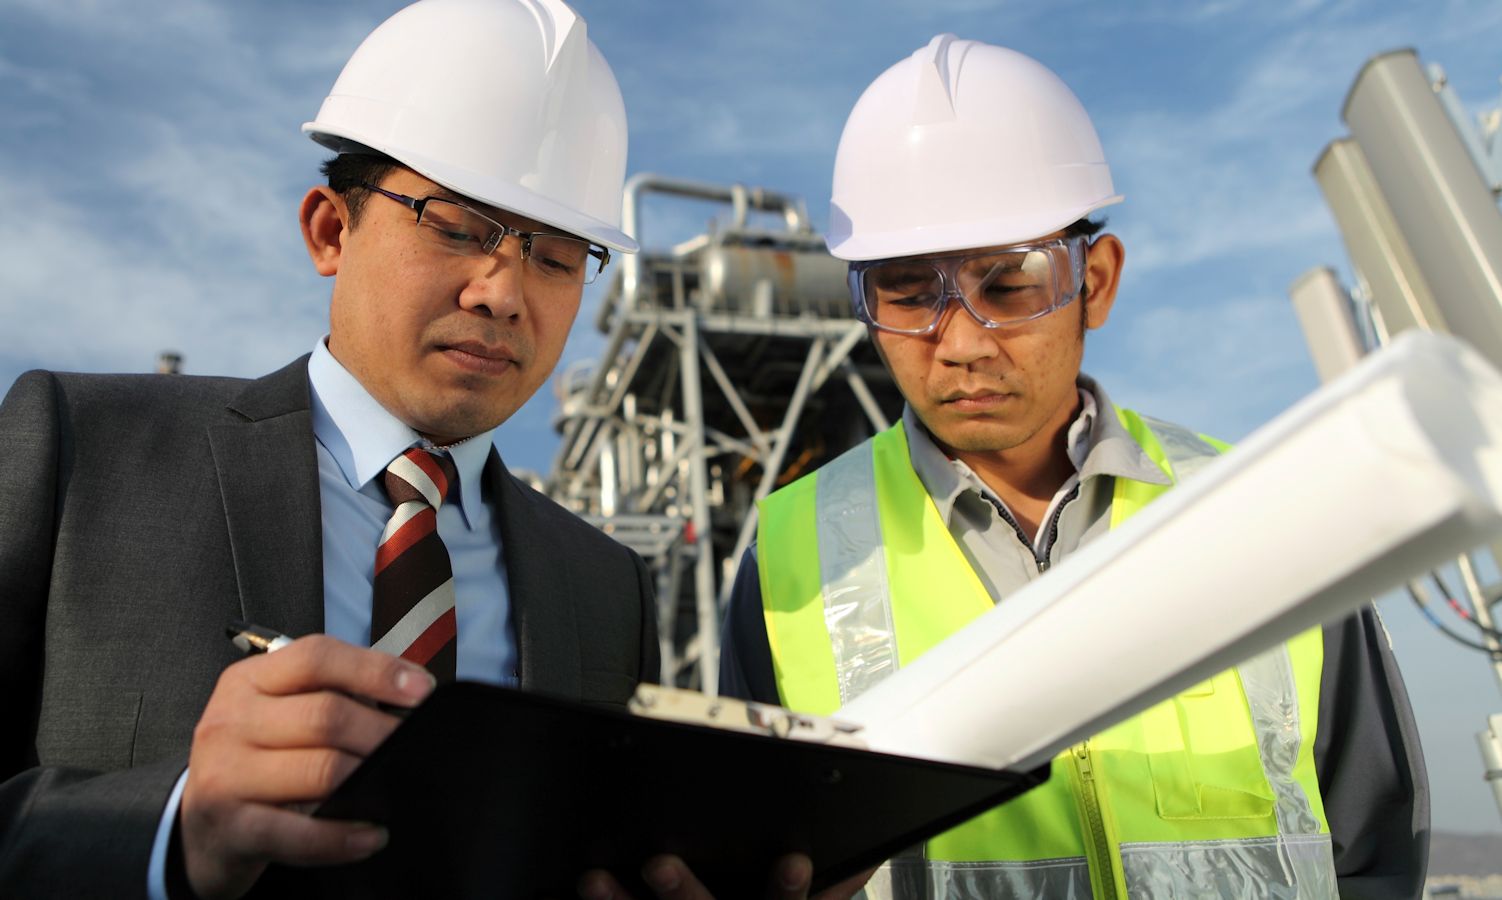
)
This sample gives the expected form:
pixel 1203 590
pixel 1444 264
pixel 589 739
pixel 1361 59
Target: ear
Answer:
pixel 1103 265
pixel 323 216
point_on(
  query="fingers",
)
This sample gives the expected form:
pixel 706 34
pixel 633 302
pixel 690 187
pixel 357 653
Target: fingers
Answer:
pixel 301 841
pixel 318 662
pixel 304 776
pixel 284 730
pixel 266 832
pixel 323 719
pixel 670 879
pixel 791 877
pixel 598 884
pixel 667 875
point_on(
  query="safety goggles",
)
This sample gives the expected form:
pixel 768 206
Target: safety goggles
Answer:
pixel 908 295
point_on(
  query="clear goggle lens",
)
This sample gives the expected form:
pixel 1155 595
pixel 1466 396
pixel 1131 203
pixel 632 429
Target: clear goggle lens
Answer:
pixel 999 288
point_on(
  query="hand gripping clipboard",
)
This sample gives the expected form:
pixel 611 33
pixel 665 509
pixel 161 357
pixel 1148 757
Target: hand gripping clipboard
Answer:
pixel 494 792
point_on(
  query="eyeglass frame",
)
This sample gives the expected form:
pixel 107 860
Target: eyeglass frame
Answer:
pixel 503 230
pixel 1077 246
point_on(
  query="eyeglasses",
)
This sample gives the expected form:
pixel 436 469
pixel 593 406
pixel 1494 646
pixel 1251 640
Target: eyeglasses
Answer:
pixel 462 231
pixel 998 287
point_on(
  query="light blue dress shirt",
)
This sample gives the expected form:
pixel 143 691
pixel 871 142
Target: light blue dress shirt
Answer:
pixel 356 438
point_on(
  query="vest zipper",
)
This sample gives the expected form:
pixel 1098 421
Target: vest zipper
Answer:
pixel 1097 843
pixel 1053 529
pixel 1040 559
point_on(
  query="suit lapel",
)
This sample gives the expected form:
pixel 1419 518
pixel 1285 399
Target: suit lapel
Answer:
pixel 268 477
pixel 542 605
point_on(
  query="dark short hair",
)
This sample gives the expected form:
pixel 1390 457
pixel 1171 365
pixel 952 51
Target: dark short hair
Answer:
pixel 348 171
pixel 1087 226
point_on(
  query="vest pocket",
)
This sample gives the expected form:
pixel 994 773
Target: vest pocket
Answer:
pixel 1203 755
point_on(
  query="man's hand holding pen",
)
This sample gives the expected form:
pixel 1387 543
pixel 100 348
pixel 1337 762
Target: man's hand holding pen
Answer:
pixel 281 731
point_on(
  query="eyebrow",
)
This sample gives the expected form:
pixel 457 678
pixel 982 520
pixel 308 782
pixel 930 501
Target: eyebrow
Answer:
pixel 442 193
pixel 500 215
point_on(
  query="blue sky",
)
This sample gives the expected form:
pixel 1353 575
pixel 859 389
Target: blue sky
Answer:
pixel 151 164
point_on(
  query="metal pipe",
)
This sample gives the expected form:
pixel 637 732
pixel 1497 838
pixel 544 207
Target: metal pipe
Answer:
pixel 1482 612
pixel 1490 744
pixel 784 437
pixel 642 183
pixel 839 353
pixel 863 394
pixel 704 592
pixel 716 371
pixel 568 453
pixel 1488 741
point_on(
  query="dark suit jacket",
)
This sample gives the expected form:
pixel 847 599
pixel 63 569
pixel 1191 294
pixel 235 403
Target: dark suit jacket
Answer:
pixel 139 515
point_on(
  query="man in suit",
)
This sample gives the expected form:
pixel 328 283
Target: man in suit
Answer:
pixel 467 205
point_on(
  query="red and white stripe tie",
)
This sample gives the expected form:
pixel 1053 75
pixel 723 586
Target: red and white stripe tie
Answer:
pixel 412 613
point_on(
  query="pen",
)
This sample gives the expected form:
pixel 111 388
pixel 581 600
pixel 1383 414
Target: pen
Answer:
pixel 255 638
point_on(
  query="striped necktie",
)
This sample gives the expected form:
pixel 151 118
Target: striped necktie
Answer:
pixel 412 614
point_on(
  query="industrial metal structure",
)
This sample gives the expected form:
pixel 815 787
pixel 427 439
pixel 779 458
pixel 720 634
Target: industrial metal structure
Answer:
pixel 1414 190
pixel 732 365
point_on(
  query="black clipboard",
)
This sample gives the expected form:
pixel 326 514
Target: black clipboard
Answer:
pixel 494 792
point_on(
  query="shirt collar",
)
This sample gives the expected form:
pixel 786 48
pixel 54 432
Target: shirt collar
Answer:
pixel 1097 445
pixel 363 438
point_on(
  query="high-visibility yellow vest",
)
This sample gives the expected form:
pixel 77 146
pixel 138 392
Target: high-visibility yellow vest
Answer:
pixel 1211 793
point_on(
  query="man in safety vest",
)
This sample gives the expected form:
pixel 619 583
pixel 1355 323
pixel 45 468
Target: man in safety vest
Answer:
pixel 964 187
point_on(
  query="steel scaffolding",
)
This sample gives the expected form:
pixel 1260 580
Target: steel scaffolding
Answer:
pixel 730 365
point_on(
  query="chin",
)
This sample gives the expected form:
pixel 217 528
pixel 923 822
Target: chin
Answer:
pixel 976 437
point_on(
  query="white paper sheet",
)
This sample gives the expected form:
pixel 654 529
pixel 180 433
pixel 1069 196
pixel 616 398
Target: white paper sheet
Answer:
pixel 1390 470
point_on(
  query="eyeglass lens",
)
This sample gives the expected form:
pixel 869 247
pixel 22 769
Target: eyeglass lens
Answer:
pixel 462 231
pixel 909 295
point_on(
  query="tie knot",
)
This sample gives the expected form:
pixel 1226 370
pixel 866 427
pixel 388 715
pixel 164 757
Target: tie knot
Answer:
pixel 419 475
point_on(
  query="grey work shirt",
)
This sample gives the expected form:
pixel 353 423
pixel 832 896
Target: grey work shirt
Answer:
pixel 1366 750
pixel 985 529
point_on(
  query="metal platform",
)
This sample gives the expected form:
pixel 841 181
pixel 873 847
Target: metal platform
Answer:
pixel 732 366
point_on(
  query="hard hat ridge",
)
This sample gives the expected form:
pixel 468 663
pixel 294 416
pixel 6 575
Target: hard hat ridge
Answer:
pixel 934 101
pixel 513 106
pixel 559 25
pixel 996 150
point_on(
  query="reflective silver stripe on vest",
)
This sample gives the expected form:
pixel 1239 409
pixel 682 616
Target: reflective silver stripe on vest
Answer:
pixel 912 879
pixel 1252 868
pixel 853 571
pixel 1272 697
pixel 1187 452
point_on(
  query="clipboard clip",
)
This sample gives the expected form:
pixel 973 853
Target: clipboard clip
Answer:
pixel 691 707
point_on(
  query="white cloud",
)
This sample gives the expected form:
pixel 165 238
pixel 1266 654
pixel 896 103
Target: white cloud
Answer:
pixel 1223 365
pixel 89 303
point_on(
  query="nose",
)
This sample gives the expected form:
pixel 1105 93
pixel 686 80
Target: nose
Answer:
pixel 961 339
pixel 494 288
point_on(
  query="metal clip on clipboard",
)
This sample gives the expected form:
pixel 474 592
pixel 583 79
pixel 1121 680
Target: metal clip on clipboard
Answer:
pixel 693 708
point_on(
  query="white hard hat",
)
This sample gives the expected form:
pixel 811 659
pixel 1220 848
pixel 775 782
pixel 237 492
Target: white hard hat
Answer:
pixel 962 145
pixel 503 101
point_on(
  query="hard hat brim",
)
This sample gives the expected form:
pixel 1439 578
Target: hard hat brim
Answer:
pixel 848 244
pixel 485 189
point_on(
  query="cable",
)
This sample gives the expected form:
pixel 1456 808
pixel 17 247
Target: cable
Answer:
pixel 1459 639
pixel 1461 611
